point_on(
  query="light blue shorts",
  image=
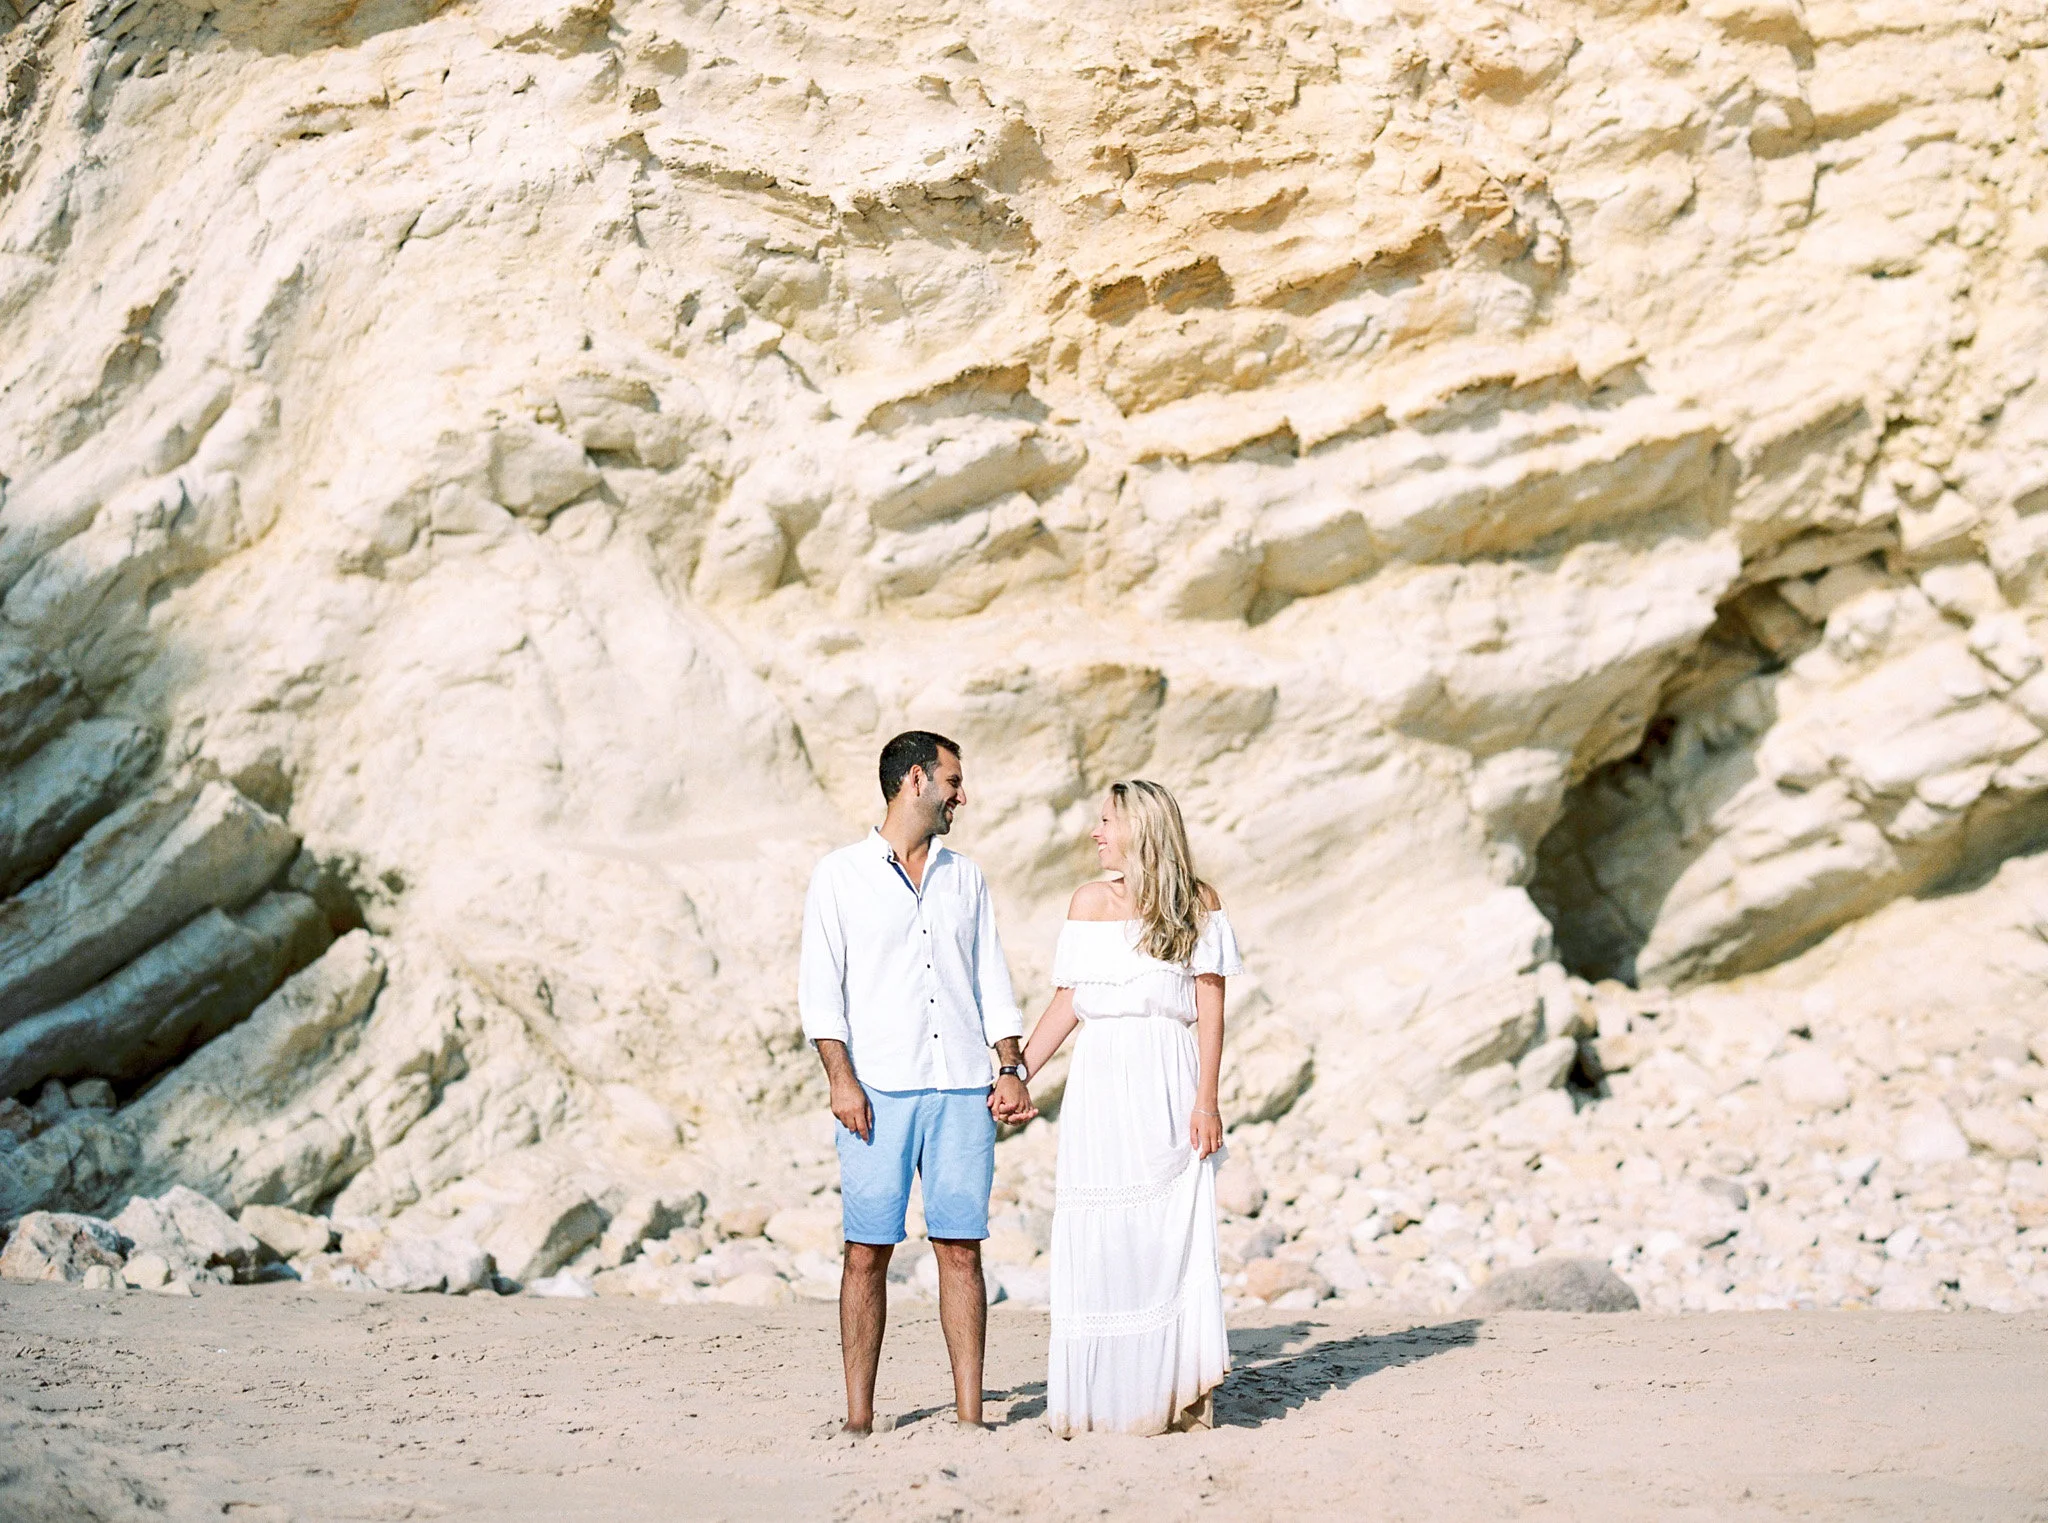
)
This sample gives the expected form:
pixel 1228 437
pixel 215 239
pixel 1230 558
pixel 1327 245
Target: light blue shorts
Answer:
pixel 944 1136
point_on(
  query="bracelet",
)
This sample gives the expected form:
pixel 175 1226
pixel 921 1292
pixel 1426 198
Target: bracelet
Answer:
pixel 1217 1114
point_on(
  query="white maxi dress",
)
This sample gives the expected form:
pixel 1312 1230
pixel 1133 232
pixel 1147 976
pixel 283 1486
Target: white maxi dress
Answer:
pixel 1137 1299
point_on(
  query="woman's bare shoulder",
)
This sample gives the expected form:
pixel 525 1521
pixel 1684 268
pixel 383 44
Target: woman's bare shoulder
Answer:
pixel 1210 899
pixel 1095 901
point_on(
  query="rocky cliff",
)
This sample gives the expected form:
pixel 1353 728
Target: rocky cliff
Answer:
pixel 1556 487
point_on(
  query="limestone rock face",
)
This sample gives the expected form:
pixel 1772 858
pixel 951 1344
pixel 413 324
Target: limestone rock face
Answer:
pixel 1555 488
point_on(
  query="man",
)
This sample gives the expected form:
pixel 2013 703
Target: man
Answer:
pixel 903 988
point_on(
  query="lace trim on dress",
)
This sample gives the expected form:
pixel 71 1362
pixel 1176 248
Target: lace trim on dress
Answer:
pixel 1121 1197
pixel 1119 1324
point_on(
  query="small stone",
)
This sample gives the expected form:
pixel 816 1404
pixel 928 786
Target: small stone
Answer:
pixel 17 1120
pixel 53 1104
pixel 1810 1080
pixel 60 1246
pixel 1007 1245
pixel 748 1219
pixel 562 1287
pixel 1728 1191
pixel 146 1271
pixel 176 1288
pixel 1999 1133
pixel 333 1270
pixel 1929 1134
pixel 361 1243
pixel 98 1277
pixel 1270 1279
pixel 92 1095
pixel 1026 1284
pixel 287 1233
pixel 1238 1191
pixel 753 1290
pixel 1578 1285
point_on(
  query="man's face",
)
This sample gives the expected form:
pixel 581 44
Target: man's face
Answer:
pixel 940 792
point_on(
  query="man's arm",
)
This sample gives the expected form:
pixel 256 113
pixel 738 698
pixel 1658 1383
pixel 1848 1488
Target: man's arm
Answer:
pixel 821 999
pixel 849 1100
pixel 1002 1023
pixel 1010 1100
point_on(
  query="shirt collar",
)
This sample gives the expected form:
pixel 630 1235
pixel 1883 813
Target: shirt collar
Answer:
pixel 879 843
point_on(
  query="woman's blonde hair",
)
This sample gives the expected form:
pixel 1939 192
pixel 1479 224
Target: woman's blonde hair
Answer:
pixel 1159 871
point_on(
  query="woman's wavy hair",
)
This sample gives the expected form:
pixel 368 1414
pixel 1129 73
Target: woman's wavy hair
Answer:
pixel 1159 871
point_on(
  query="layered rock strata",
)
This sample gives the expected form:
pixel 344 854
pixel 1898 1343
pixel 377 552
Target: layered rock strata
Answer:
pixel 1555 488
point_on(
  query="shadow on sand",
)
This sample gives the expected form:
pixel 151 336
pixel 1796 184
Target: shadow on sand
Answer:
pixel 1267 1382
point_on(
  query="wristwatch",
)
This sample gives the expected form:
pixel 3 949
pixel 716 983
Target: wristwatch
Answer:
pixel 1015 1070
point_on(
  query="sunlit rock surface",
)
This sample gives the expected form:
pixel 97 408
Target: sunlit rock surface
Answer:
pixel 1556 488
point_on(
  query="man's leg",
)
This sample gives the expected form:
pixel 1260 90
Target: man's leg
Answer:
pixel 863 1314
pixel 963 1313
pixel 874 1185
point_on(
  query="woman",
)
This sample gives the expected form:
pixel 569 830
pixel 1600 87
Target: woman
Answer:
pixel 1137 1301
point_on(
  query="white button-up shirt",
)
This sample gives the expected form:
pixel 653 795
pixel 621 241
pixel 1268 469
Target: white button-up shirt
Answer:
pixel 912 980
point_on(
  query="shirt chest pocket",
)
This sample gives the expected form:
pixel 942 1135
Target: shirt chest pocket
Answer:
pixel 949 911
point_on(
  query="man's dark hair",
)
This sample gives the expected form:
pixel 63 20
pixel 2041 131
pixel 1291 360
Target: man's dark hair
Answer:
pixel 913 748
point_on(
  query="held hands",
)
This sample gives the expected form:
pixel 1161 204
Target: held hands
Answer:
pixel 850 1105
pixel 1010 1102
pixel 1205 1132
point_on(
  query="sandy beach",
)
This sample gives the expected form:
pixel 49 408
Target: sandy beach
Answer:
pixel 278 1403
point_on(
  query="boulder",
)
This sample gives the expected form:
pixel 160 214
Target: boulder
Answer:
pixel 1238 1190
pixel 1583 1285
pixel 182 992
pixel 212 1120
pixel 537 1237
pixel 451 1264
pixel 135 877
pixel 195 1237
pixel 286 1233
pixel 808 1229
pixel 1270 1279
pixel 56 1245
pixel 753 1290
pixel 647 1217
pixel 1546 1066
pixel 1999 1133
pixel 1264 1073
pixel 74 1166
pixel 1441 1043
pixel 65 789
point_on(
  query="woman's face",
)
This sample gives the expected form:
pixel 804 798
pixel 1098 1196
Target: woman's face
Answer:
pixel 1109 836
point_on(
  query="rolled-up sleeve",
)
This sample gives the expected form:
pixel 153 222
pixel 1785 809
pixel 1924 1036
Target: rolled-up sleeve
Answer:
pixel 821 967
pixel 1000 1016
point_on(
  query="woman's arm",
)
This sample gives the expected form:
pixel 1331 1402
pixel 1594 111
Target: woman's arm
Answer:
pixel 1051 1032
pixel 1205 1127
